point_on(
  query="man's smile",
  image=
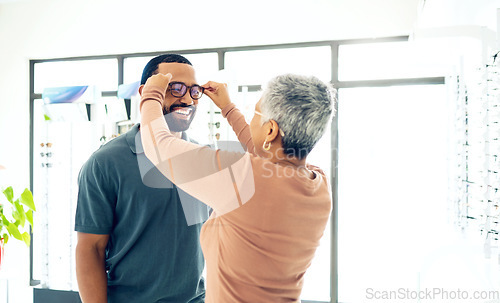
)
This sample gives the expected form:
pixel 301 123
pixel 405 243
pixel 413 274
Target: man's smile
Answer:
pixel 182 111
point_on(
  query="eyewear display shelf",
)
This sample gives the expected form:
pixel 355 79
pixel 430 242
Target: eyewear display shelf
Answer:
pixel 477 125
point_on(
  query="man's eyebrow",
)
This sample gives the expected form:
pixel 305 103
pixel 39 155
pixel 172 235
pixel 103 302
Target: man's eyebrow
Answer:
pixel 194 83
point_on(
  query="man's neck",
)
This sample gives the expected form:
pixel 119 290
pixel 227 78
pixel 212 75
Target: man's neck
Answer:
pixel 177 134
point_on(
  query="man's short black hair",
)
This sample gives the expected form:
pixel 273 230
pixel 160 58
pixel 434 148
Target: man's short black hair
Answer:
pixel 152 66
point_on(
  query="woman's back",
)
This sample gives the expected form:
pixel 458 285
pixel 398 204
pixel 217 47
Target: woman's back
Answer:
pixel 260 251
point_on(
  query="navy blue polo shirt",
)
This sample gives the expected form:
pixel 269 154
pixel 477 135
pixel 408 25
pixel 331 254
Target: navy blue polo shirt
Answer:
pixel 153 253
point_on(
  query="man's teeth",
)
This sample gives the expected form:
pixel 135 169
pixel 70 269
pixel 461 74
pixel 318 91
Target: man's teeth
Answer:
pixel 182 111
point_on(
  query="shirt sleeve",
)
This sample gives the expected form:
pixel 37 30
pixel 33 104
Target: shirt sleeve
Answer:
pixel 96 200
pixel 221 179
pixel 239 125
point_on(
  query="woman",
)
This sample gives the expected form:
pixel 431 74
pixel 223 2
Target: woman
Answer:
pixel 270 207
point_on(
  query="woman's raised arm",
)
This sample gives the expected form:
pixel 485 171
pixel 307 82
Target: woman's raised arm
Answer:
pixel 222 180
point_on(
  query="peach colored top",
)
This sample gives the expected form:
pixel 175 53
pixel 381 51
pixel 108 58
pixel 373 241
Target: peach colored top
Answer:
pixel 268 218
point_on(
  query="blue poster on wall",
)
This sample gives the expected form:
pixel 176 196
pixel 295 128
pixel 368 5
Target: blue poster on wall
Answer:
pixel 127 91
pixel 68 94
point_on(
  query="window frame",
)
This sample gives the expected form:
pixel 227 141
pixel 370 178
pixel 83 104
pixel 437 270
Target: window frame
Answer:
pixel 334 45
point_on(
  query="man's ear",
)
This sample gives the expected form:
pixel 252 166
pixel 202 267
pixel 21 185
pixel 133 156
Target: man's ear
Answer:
pixel 140 89
pixel 272 131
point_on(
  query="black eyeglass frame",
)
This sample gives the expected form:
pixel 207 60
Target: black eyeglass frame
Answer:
pixel 186 88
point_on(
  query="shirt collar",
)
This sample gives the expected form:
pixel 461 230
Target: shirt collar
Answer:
pixel 133 137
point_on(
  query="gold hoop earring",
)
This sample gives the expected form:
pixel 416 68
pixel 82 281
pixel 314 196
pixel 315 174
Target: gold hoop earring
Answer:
pixel 268 147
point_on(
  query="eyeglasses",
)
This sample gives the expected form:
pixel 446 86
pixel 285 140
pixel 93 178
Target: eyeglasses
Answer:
pixel 262 115
pixel 179 89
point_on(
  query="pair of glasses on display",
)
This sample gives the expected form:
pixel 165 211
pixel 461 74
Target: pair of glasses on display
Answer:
pixel 179 89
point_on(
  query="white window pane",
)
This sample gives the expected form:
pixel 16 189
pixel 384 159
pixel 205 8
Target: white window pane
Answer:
pixel 205 65
pixel 257 67
pixel 393 60
pixel 393 185
pixel 389 141
pixel 100 73
pixel 60 149
pixel 132 68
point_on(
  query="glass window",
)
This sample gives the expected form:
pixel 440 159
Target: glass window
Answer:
pixel 257 67
pixel 206 65
pixel 390 139
pixel 393 60
pixel 64 138
pixel 60 149
pixel 393 186
pixel 132 68
pixel 101 73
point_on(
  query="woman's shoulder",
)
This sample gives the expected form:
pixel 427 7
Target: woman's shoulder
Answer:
pixel 315 169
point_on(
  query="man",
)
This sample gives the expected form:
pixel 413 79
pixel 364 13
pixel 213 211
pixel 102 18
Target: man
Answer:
pixel 138 241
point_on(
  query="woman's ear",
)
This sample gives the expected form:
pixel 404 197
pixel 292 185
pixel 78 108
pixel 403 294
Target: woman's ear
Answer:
pixel 140 89
pixel 272 131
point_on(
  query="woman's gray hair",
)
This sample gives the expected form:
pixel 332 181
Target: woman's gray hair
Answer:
pixel 302 106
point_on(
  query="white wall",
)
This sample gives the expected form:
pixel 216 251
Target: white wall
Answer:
pixel 459 12
pixel 40 29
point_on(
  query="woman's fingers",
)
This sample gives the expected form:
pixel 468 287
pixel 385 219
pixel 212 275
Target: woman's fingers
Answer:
pixel 160 80
pixel 214 86
pixel 218 93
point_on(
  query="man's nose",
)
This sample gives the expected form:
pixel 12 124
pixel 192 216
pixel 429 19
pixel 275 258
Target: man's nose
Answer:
pixel 187 99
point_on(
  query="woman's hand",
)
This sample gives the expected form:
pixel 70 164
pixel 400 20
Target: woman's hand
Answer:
pixel 218 93
pixel 159 80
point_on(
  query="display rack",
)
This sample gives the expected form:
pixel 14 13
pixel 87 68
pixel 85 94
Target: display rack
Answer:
pixel 477 126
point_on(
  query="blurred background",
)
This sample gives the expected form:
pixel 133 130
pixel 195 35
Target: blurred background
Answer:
pixel 412 153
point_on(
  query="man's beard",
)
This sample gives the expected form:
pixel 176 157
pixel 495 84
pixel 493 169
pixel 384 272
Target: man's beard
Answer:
pixel 179 117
